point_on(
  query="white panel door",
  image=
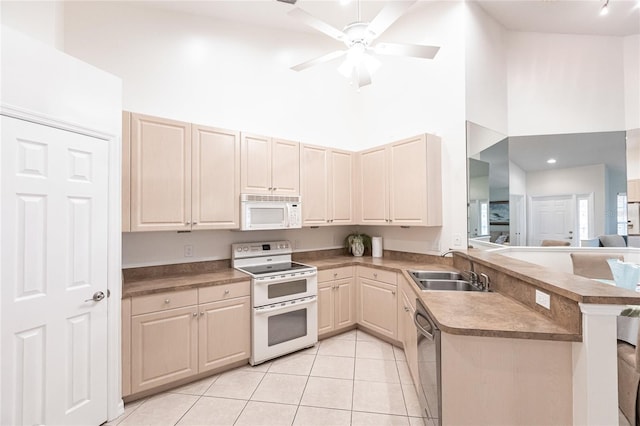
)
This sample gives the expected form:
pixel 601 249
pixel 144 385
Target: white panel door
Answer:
pixel 54 257
pixel 552 218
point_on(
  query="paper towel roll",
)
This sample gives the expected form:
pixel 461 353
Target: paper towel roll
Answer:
pixel 376 246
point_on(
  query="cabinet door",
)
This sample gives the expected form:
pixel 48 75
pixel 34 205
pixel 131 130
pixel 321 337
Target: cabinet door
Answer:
pixel 408 181
pixel 160 174
pixel 315 196
pixel 633 191
pixel 163 347
pixel 285 167
pixel 345 303
pixel 341 188
pixel 215 178
pixel 326 307
pixel 255 167
pixel 409 336
pixel 373 186
pixel 126 171
pixel 225 333
pixel 378 308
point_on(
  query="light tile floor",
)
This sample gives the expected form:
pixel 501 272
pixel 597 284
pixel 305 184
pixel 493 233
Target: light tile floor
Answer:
pixel 350 379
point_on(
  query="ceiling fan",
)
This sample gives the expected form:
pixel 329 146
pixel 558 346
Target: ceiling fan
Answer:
pixel 360 62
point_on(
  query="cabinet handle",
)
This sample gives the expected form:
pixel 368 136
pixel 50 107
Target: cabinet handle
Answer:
pixel 335 274
pixel 406 309
pixel 275 189
pixel 187 223
pixel 226 291
pixel 375 275
pixel 393 292
pixel 167 301
pixel 195 223
pixel 202 313
pixel 195 314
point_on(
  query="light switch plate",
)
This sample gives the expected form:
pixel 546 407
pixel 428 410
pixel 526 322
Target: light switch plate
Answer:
pixel 543 299
pixel 188 250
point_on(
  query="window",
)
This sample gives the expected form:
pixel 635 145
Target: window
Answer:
pixel 484 218
pixel 621 214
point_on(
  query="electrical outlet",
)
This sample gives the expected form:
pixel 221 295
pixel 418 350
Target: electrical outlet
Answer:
pixel 457 240
pixel 188 250
pixel 543 299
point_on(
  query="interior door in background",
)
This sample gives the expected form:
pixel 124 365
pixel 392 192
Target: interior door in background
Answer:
pixel 54 260
pixel 553 218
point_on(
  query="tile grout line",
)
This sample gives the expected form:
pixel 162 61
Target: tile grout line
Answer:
pixel 315 357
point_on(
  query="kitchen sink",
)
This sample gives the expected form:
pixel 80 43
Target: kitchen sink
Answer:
pixel 436 275
pixel 442 280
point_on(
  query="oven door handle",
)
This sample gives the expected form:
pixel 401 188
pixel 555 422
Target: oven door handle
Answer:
pixel 268 281
pixel 421 329
pixel 312 299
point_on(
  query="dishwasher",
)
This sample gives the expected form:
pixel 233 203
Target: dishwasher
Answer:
pixel 430 386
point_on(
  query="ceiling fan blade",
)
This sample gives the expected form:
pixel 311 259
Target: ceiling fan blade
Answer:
pixel 388 15
pixel 405 49
pixel 364 76
pixel 324 58
pixel 314 22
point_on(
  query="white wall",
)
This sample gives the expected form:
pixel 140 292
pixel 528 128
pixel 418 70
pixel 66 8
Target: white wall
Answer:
pixel 575 180
pixel 410 96
pixel 517 179
pixel 160 248
pixel 632 81
pixel 41 20
pixel 207 71
pixel 560 83
pixel 213 72
pixel 486 69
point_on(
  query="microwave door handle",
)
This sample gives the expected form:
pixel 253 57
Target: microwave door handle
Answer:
pixel 287 215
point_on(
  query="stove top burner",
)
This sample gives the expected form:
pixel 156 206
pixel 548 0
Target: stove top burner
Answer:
pixel 273 268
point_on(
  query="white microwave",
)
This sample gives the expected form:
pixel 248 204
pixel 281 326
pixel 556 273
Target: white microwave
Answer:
pixel 259 212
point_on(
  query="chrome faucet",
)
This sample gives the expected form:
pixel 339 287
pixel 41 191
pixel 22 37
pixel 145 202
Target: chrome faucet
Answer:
pixel 447 252
pixel 485 281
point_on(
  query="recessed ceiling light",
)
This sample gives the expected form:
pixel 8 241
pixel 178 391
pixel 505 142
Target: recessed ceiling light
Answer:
pixel 605 8
pixel 551 161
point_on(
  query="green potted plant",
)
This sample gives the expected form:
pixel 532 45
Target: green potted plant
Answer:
pixel 357 242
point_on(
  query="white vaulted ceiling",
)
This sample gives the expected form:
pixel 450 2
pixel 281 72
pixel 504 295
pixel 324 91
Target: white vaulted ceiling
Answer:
pixel 547 16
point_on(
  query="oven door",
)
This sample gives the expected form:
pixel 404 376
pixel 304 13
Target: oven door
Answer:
pixel 270 290
pixel 283 328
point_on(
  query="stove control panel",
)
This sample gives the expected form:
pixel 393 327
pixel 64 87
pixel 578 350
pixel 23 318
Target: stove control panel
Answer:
pixel 245 250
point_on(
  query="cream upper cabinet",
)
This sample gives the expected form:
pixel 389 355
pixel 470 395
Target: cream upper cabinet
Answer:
pixel 269 166
pixel 215 178
pixel 327 186
pixel 373 184
pixel 182 176
pixel 160 174
pixel 401 183
pixel 126 171
pixel 633 191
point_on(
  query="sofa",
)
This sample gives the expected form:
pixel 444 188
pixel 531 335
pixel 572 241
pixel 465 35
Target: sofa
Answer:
pixel 629 379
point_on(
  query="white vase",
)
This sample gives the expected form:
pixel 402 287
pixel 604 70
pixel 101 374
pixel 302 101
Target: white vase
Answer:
pixel 357 248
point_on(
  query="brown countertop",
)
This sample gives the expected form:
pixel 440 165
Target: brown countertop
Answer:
pixel 184 281
pixel 578 289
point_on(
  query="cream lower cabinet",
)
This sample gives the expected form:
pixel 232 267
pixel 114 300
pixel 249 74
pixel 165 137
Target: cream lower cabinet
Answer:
pixel 407 332
pixel 377 301
pixel 336 299
pixel 401 184
pixel 173 336
pixel 326 177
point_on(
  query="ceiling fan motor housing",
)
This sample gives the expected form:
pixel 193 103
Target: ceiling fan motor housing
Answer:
pixel 358 33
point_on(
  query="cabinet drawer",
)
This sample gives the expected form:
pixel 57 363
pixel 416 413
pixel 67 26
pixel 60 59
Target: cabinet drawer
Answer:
pixel 335 274
pixel 215 293
pixel 163 301
pixel 377 275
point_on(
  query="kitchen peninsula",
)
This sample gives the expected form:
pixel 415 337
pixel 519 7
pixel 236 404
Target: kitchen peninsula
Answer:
pixel 487 337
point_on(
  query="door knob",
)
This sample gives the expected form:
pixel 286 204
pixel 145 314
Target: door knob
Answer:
pixel 97 296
